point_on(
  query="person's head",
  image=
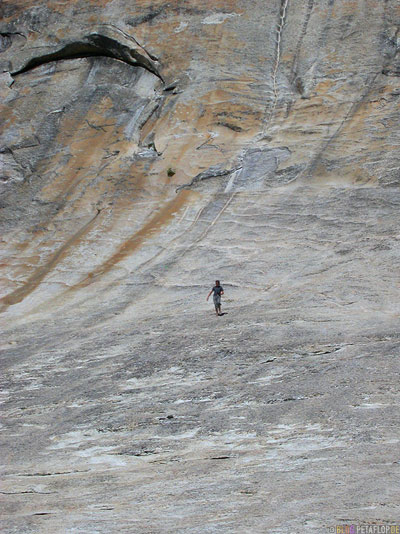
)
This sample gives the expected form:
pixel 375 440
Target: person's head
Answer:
pixel 217 283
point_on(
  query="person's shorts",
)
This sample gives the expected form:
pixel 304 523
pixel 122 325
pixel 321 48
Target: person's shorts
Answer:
pixel 217 301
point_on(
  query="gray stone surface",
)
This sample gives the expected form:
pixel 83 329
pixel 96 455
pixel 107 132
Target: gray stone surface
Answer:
pixel 132 408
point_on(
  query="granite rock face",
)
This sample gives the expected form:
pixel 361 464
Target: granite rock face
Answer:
pixel 147 149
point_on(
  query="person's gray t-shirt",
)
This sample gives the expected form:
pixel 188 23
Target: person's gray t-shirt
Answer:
pixel 217 290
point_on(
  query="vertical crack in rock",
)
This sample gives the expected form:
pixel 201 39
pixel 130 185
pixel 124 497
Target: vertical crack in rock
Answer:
pixel 281 24
pixel 309 8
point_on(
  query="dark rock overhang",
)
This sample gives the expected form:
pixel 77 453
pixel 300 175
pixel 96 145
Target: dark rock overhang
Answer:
pixel 92 45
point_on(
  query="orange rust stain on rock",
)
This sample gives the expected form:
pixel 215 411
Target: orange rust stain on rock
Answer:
pixel 133 184
pixel 288 56
pixel 21 246
pixel 63 6
pixel 86 144
pixel 36 278
pixel 324 86
pixel 136 240
pixel 60 34
pixel 189 126
pixel 346 175
pixel 70 124
pixel 8 116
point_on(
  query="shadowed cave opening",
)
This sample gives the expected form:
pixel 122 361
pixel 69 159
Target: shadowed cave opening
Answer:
pixel 93 45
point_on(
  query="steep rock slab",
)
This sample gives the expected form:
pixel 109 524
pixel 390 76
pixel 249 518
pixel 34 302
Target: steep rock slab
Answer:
pixel 307 83
pixel 256 143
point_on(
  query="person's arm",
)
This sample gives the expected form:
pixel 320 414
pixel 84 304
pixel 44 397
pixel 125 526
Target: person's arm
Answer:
pixel 209 294
pixel 222 291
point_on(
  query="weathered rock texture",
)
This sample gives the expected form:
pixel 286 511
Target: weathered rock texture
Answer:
pixel 148 148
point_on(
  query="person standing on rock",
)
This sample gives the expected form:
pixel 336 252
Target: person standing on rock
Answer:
pixel 218 291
